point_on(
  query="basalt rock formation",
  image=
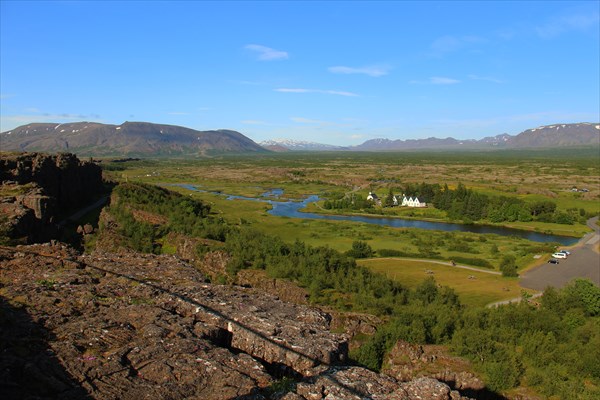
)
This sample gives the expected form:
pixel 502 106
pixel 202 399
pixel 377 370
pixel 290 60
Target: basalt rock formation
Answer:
pixel 37 187
pixel 407 362
pixel 125 325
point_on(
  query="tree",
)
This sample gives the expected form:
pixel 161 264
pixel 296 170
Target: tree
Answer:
pixel 427 291
pixel 584 292
pixel 360 249
pixel 508 266
pixel 389 199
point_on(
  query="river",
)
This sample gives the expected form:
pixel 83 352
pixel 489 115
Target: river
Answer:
pixel 292 209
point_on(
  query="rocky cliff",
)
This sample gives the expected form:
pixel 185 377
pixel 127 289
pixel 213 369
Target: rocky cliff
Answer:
pixel 37 188
pixel 128 326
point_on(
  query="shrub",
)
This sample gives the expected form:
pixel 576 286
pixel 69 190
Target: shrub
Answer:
pixel 508 266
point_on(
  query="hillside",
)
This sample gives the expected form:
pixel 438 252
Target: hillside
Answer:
pixel 129 138
pixel 558 135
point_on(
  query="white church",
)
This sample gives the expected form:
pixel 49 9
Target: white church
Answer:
pixel 409 202
pixel 406 201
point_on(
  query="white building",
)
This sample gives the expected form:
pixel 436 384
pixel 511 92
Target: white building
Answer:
pixel 374 198
pixel 412 202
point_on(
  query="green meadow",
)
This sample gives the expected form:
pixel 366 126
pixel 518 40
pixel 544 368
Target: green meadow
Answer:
pixel 522 175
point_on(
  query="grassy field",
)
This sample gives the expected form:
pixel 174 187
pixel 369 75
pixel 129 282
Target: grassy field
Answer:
pixel 526 175
pixel 474 288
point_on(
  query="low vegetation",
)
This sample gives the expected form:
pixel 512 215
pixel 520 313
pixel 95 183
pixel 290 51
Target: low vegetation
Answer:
pixel 513 345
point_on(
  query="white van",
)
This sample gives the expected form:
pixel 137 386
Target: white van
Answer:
pixel 559 255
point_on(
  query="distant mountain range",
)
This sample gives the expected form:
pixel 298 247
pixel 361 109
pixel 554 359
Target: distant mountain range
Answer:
pixel 147 139
pixel 298 145
pixel 581 134
pixel 129 138
pixel 558 135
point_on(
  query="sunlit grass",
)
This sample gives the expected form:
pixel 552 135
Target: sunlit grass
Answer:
pixel 480 290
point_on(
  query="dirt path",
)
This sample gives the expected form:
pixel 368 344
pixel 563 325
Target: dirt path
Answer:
pixel 485 271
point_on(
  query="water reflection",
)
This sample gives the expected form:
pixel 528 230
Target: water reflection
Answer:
pixel 292 209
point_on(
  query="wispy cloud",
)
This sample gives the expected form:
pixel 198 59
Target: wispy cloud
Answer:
pixel 441 80
pixel 373 70
pixel 567 23
pixel 303 120
pixel 265 53
pixel 516 121
pixel 436 80
pixel 485 78
pixel 243 82
pixel 321 123
pixel 448 43
pixel 299 90
pixel 8 122
pixel 4 96
pixel 254 122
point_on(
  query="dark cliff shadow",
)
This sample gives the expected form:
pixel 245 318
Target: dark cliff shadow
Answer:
pixel 478 394
pixel 28 367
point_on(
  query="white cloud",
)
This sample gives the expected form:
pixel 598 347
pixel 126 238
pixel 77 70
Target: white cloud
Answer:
pixel 436 80
pixel 373 70
pixel 266 53
pixel 485 78
pixel 302 120
pixel 448 43
pixel 243 82
pixel 563 24
pixel 441 80
pixel 300 90
pixel 253 122
pixel 8 122
pixel 290 90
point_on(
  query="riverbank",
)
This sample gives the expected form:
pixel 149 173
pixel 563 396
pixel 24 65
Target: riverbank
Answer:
pixel 571 231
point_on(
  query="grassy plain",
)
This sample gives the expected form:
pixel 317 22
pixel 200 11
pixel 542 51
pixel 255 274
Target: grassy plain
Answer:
pixel 473 287
pixel 524 174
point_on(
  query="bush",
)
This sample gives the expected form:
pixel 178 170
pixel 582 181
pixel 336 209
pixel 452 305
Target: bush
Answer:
pixel 508 266
pixel 478 262
pixel 360 249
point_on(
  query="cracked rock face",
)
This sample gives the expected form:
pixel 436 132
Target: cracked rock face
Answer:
pixel 35 187
pixel 132 326
pixel 129 326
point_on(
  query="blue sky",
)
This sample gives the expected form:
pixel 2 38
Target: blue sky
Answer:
pixel 331 72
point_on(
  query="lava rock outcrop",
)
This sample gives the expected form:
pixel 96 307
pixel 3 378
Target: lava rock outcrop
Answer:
pixel 37 187
pixel 126 325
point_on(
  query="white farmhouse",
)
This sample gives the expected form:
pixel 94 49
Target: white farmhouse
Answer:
pixel 412 202
pixel 374 198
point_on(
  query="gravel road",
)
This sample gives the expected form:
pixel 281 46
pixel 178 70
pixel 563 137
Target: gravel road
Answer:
pixel 584 262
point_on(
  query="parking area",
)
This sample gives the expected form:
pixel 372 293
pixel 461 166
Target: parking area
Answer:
pixel 584 262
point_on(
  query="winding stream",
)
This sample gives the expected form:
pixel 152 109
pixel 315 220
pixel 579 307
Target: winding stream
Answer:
pixel 292 209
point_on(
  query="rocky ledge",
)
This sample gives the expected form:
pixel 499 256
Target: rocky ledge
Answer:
pixel 37 187
pixel 129 326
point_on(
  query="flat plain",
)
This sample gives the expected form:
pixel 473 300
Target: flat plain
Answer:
pixel 523 175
